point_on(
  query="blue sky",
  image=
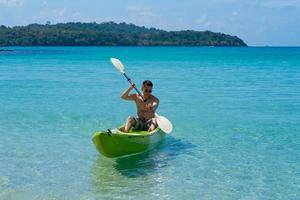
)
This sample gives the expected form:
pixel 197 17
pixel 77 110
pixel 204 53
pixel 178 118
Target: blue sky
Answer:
pixel 257 22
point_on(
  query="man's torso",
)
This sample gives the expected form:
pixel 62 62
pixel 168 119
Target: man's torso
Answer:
pixel 142 111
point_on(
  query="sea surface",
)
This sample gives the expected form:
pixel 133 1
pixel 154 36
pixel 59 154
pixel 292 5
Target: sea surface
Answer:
pixel 235 111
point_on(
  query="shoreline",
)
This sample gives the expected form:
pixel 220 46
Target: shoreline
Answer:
pixel 104 46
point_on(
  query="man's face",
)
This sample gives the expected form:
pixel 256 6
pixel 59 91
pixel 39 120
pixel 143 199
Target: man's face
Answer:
pixel 147 90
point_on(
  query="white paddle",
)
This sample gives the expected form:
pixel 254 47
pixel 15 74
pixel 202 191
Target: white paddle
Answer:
pixel 163 123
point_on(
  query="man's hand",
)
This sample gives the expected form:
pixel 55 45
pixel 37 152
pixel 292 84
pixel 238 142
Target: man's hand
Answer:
pixel 149 106
pixel 126 95
pixel 132 85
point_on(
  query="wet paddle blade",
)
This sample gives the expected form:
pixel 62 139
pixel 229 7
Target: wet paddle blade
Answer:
pixel 118 64
pixel 164 124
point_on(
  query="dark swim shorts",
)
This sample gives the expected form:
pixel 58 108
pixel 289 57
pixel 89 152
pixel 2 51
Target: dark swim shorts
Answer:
pixel 143 124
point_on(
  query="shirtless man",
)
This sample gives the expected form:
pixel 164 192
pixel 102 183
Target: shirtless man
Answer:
pixel 145 110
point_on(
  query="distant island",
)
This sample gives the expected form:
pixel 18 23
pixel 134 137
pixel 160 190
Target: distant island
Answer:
pixel 109 34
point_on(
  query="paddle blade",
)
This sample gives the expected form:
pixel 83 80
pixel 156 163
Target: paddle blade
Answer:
pixel 164 124
pixel 118 64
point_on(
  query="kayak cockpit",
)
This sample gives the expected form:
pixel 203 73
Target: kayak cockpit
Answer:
pixel 136 132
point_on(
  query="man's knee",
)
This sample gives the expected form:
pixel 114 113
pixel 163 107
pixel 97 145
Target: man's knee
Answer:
pixel 154 122
pixel 131 120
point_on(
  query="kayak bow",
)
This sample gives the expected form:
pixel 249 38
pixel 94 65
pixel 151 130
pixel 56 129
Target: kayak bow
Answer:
pixel 116 143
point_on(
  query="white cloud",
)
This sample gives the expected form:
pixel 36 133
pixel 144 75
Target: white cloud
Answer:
pixel 48 12
pixel 60 13
pixel 267 3
pixel 203 22
pixel 224 1
pixel 76 16
pixel 280 3
pixel 235 13
pixel 134 8
pixel 45 4
pixel 141 11
pixel 12 3
pixel 143 16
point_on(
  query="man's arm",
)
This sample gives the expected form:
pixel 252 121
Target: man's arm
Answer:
pixel 126 95
pixel 153 106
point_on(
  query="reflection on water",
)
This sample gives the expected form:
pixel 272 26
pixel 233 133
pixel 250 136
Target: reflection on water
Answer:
pixel 140 169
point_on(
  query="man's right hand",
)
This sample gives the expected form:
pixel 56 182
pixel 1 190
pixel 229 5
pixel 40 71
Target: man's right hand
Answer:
pixel 132 85
pixel 126 94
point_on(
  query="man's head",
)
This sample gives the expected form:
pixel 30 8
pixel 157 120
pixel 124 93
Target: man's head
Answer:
pixel 147 88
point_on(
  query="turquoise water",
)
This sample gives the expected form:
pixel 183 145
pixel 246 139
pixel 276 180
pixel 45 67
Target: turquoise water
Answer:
pixel 235 111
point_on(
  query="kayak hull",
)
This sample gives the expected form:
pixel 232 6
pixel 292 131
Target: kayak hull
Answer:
pixel 119 143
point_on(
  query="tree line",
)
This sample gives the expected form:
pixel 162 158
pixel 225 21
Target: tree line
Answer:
pixel 109 34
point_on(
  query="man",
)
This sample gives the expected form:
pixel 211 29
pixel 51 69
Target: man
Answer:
pixel 145 110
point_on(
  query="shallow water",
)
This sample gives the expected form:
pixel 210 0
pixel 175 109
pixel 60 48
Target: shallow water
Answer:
pixel 235 111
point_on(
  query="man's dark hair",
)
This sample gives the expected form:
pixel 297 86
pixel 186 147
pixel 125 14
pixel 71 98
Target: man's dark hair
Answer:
pixel 148 83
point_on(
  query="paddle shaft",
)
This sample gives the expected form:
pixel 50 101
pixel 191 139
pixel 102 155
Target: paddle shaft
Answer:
pixel 129 80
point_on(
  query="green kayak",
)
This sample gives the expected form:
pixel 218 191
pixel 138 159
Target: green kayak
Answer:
pixel 116 143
